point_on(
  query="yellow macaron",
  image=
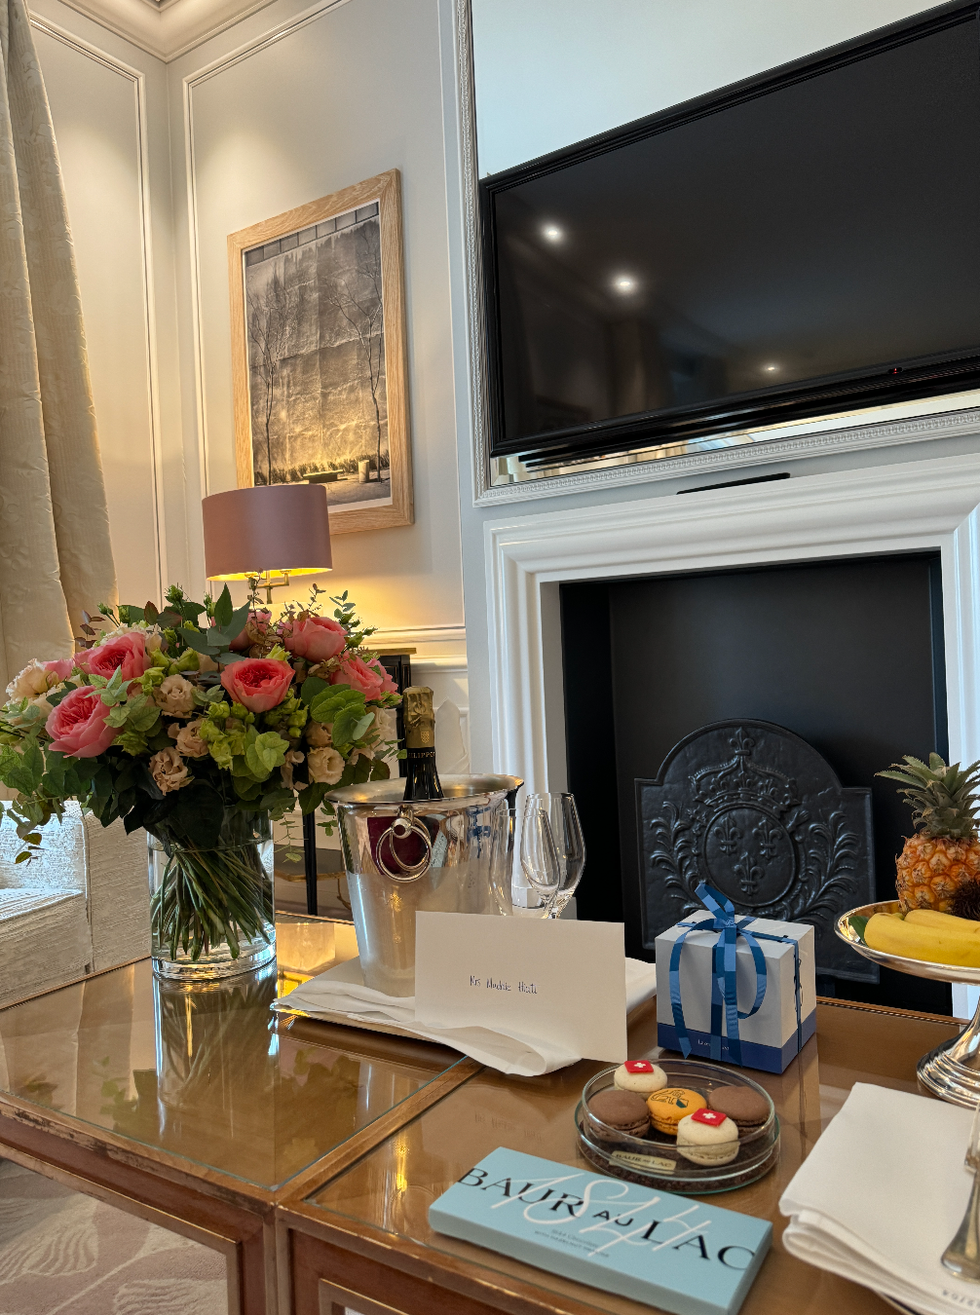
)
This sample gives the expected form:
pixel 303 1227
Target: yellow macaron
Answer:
pixel 671 1104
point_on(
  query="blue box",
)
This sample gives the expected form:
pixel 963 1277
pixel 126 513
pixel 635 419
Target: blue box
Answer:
pixel 669 1251
pixel 770 1039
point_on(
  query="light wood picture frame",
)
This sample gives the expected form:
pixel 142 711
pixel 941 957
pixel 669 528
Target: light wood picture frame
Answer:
pixel 319 353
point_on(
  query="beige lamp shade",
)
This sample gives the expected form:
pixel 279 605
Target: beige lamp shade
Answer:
pixel 268 529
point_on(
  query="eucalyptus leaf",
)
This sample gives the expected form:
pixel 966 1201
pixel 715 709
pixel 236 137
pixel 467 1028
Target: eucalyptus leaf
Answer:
pixel 311 798
pixel 362 726
pixel 224 609
pixel 195 639
pixel 311 687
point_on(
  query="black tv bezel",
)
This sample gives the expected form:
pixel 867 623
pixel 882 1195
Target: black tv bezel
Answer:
pixel 892 382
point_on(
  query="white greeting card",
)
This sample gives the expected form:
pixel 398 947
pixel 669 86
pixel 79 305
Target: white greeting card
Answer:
pixel 545 979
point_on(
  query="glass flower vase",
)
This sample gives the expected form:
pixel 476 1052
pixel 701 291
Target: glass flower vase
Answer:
pixel 211 909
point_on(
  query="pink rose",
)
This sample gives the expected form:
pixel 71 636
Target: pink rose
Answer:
pixel 62 667
pixel 256 629
pixel 257 683
pixel 315 638
pixel 77 726
pixel 125 653
pixel 370 678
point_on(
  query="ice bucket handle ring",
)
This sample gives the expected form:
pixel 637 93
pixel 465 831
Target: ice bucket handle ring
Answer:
pixel 404 825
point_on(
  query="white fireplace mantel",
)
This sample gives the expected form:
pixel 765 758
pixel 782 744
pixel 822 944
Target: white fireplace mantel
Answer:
pixel 917 505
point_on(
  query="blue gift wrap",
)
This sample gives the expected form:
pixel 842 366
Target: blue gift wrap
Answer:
pixel 741 990
pixel 669 1251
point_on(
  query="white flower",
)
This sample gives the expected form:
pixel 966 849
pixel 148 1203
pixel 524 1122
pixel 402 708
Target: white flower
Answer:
pixel 320 736
pixel 175 695
pixel 326 765
pixel 32 681
pixel 169 770
pixel 385 725
pixel 189 742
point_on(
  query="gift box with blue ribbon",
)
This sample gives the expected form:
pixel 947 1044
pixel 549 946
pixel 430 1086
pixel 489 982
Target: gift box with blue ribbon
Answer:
pixel 736 989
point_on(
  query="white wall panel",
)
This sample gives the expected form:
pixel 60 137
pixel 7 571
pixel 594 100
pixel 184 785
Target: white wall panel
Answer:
pixel 96 112
pixel 338 99
pixel 557 71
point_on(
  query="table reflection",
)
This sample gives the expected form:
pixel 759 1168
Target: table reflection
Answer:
pixel 207 1072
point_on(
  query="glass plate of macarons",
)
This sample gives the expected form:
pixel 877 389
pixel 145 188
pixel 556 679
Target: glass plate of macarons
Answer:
pixel 679 1125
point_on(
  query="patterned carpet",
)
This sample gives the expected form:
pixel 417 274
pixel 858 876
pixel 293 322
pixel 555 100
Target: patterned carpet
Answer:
pixel 62 1253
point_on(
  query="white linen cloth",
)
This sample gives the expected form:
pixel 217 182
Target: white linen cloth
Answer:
pixel 881 1195
pixel 341 990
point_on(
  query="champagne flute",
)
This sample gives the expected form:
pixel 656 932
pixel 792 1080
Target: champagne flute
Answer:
pixel 540 863
pixel 569 843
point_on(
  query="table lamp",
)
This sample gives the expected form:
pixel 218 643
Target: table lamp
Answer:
pixel 267 534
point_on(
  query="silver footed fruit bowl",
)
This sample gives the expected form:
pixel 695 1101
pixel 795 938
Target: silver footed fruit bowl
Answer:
pixel 952 1070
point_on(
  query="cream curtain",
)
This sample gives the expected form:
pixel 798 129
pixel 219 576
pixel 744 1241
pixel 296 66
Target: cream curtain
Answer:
pixel 55 555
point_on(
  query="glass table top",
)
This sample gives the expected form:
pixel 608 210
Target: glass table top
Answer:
pixel 392 1187
pixel 208 1073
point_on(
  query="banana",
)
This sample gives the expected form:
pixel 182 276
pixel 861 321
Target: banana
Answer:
pixel 933 918
pixel 918 940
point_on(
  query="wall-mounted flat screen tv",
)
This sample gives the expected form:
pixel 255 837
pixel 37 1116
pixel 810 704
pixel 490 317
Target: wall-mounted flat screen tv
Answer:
pixel 801 243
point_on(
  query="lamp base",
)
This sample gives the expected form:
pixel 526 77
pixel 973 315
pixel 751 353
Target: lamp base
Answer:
pixel 268 581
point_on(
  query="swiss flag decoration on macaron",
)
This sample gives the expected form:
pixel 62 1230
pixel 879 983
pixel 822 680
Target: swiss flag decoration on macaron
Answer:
pixel 638 1066
pixel 711 1117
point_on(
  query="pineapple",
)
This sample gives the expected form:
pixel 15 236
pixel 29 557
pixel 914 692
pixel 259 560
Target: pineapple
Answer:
pixel 944 853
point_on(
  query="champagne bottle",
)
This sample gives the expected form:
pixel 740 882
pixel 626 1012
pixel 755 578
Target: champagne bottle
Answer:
pixel 422 780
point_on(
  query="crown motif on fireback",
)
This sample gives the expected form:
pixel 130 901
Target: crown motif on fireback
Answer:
pixel 741 781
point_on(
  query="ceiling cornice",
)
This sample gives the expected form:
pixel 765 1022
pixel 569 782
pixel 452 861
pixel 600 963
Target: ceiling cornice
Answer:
pixel 167 28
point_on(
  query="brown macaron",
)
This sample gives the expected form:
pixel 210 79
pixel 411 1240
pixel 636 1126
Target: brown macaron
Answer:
pixel 746 1108
pixel 623 1111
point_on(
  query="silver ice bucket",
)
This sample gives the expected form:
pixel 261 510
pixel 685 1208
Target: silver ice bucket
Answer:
pixel 451 855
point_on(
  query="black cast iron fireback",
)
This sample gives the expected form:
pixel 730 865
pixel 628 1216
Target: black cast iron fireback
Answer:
pixel 758 813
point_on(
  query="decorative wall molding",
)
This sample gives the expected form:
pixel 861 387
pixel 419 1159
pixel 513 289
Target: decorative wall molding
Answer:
pixel 167 28
pixel 138 82
pixel 472 262
pixel 893 508
pixel 189 84
pixel 820 442
pixel 411 637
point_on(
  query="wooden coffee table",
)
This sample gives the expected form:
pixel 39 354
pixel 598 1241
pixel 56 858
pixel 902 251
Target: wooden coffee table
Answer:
pixel 363 1240
pixel 308 1153
pixel 199 1110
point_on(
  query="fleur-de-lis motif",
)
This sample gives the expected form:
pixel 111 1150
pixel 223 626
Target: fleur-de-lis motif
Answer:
pixel 728 835
pixel 767 837
pixel 748 875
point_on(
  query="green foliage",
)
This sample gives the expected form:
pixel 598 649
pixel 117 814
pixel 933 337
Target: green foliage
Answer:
pixel 943 799
pixel 311 687
pixel 22 771
pixel 264 752
pixel 346 710
pixel 215 641
pixel 181 606
pixel 240 774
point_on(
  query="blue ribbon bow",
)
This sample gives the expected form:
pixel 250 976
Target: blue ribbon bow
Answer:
pixel 724 1002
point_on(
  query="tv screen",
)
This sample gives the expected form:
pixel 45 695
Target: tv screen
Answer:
pixel 805 242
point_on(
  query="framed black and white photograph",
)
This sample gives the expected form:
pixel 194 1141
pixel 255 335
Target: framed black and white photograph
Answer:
pixel 319 352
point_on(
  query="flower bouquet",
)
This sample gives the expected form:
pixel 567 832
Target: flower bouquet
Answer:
pixel 201 724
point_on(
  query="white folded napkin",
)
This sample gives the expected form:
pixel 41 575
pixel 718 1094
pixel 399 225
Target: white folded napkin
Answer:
pixel 341 990
pixel 881 1195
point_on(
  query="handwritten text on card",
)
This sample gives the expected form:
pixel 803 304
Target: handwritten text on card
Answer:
pixel 559 980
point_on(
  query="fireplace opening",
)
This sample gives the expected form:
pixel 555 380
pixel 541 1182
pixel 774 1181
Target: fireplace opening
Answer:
pixel 847 654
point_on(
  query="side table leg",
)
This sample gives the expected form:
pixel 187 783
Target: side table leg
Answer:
pixel 309 862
